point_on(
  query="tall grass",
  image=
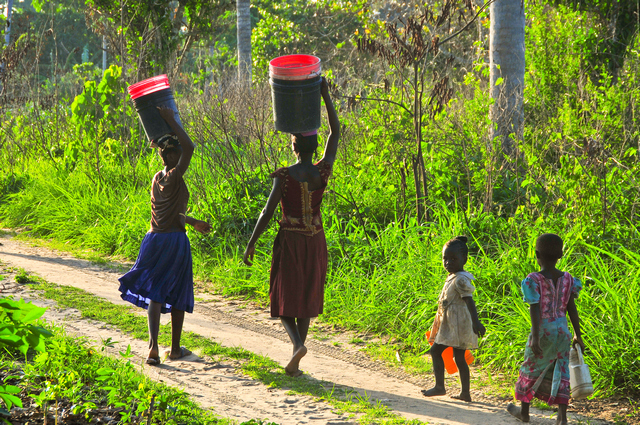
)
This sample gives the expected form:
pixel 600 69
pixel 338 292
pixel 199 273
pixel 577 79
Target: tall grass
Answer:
pixel 578 175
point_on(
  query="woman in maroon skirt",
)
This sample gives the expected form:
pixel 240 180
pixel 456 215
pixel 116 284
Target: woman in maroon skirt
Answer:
pixel 299 263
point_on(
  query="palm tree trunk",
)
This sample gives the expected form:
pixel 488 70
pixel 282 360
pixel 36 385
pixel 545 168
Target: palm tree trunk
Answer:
pixel 507 62
pixel 7 36
pixel 244 41
pixel 7 33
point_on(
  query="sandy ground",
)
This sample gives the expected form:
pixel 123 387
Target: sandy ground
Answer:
pixel 219 386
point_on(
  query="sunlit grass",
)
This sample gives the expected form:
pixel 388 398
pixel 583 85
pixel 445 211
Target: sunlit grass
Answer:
pixel 256 366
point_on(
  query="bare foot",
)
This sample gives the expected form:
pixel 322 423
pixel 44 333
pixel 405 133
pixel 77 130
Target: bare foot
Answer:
pixel 517 413
pixel 434 391
pixel 294 374
pixel 180 354
pixel 153 361
pixel 292 369
pixel 463 396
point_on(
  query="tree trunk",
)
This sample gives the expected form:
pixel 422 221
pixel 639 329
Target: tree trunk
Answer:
pixel 7 33
pixel 7 37
pixel 419 168
pixel 244 41
pixel 104 54
pixel 506 57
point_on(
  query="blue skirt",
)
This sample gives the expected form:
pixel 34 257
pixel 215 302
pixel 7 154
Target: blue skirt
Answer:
pixel 162 273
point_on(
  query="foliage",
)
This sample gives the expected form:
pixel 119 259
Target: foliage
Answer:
pixel 82 374
pixel 615 30
pixel 17 330
pixel 577 174
pixel 19 334
pixel 155 37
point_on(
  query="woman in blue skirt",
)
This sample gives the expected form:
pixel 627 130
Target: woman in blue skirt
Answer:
pixel 161 280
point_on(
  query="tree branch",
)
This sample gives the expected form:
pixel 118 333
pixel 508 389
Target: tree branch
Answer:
pixel 468 23
pixel 377 100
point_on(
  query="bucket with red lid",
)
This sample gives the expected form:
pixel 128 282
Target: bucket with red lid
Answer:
pixel 295 92
pixel 147 95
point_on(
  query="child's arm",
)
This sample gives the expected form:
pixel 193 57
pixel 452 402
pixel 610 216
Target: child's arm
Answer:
pixel 263 220
pixel 186 144
pixel 534 312
pixel 478 327
pixel 201 226
pixel 572 310
pixel 331 149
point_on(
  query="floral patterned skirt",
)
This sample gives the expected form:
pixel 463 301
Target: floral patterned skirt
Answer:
pixel 546 377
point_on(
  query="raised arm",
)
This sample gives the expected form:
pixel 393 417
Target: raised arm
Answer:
pixel 186 144
pixel 331 149
pixel 263 220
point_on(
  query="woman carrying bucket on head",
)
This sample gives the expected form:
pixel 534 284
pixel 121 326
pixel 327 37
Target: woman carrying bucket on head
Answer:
pixel 161 280
pixel 299 261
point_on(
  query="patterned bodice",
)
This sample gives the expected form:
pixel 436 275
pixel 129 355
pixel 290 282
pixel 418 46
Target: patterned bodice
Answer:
pixel 300 206
pixel 553 298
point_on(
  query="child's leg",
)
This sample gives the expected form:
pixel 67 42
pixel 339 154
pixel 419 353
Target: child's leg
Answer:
pixel 153 319
pixel 521 413
pixel 438 371
pixel 562 414
pixel 177 321
pixel 463 368
pixel 299 350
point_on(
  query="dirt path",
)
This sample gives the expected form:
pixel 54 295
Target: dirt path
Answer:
pixel 236 396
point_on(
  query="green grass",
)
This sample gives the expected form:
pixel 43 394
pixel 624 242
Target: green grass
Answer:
pixel 73 370
pixel 577 174
pixel 256 366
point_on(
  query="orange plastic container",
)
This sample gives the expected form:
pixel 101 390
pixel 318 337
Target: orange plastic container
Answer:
pixel 449 361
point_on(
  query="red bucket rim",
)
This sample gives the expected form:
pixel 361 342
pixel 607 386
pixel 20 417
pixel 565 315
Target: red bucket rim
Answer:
pixel 148 86
pixel 295 67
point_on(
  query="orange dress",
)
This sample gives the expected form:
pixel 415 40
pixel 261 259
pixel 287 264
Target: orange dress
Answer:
pixel 299 261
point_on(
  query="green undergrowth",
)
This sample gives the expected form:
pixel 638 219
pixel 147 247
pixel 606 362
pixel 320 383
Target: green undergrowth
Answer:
pixel 65 369
pixel 258 367
pixel 81 179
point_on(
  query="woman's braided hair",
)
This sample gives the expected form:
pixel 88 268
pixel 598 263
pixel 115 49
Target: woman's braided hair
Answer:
pixel 459 242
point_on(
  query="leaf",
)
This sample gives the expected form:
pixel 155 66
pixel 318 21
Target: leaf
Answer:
pixel 33 314
pixel 10 339
pixel 10 389
pixel 105 371
pixel 10 400
pixel 499 81
pixel 42 331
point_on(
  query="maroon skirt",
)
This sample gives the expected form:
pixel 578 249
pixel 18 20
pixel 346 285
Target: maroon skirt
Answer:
pixel 298 274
